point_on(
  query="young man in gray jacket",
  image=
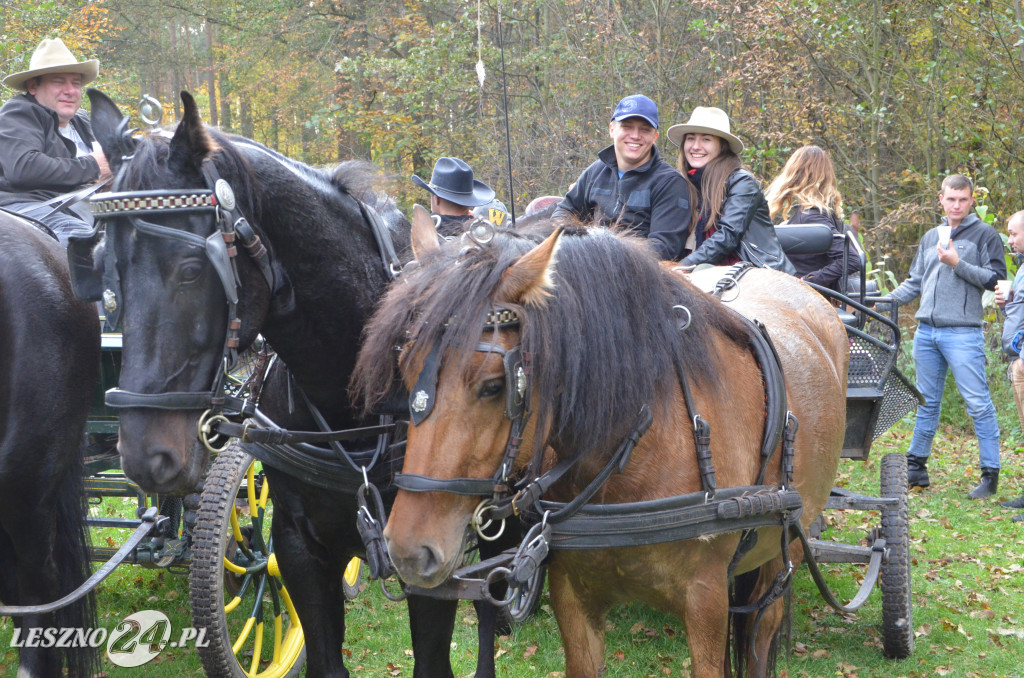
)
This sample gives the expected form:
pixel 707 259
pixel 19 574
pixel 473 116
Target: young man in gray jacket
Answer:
pixel 955 263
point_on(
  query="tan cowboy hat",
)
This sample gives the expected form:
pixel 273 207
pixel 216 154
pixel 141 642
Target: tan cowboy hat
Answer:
pixel 706 120
pixel 52 56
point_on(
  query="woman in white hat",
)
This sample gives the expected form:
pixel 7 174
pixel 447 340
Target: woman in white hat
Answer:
pixel 732 216
pixel 46 143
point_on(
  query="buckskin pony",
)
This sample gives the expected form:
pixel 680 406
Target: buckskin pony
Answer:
pixel 49 362
pixel 606 332
pixel 308 282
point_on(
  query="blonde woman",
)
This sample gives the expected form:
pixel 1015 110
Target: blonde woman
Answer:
pixel 805 192
pixel 732 216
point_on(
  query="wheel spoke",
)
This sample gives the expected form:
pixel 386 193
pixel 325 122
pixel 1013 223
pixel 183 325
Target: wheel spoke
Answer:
pixel 240 641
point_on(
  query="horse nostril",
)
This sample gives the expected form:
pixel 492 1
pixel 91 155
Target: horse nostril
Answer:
pixel 429 562
pixel 155 470
pixel 164 466
pixel 419 565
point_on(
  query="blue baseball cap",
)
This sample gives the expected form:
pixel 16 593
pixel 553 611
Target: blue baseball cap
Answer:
pixel 637 106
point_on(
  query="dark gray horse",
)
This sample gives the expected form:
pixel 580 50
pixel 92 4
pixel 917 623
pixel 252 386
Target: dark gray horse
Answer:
pixel 49 359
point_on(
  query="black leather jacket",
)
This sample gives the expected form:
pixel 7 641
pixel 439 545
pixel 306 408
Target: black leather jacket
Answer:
pixel 744 229
pixel 651 200
pixel 36 162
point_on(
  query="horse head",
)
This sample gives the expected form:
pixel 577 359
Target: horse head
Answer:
pixel 188 303
pixel 468 403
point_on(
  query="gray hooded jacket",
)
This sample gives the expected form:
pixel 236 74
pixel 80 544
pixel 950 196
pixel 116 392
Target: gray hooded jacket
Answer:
pixel 951 297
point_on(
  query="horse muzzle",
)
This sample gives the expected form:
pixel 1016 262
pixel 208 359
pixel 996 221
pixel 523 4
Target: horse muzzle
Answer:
pixel 423 553
pixel 160 450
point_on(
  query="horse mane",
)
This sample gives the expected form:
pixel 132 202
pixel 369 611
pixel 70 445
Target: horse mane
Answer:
pixel 150 167
pixel 604 344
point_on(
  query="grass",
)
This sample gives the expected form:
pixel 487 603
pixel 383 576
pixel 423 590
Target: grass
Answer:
pixel 967 579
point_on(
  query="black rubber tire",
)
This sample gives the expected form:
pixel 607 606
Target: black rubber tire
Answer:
pixel 210 583
pixel 525 605
pixel 894 579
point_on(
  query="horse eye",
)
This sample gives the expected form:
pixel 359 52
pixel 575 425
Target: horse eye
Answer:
pixel 189 271
pixel 491 388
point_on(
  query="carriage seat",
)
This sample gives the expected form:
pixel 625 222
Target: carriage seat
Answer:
pixel 804 238
pixel 817 239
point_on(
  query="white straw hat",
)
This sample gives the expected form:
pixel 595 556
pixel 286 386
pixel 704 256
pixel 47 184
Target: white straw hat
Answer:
pixel 52 56
pixel 706 120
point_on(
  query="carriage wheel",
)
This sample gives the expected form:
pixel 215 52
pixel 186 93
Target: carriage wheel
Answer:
pixel 527 601
pixel 351 580
pixel 237 594
pixel 897 613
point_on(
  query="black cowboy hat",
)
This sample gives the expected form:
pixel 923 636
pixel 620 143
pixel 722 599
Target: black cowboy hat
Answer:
pixel 453 181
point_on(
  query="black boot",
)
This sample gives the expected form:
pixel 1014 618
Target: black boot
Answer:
pixel 1017 503
pixel 917 471
pixel 988 485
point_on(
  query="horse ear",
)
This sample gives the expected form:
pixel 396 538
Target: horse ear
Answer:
pixel 191 143
pixel 528 281
pixel 110 127
pixel 423 234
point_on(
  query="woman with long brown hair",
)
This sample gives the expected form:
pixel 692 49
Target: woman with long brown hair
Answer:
pixel 806 192
pixel 732 216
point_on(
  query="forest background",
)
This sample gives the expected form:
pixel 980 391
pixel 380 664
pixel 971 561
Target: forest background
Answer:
pixel 901 92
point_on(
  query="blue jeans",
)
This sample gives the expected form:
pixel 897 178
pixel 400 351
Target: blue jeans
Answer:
pixel 961 349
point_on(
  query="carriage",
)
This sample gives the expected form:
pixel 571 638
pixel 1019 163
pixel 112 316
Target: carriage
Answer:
pixel 876 395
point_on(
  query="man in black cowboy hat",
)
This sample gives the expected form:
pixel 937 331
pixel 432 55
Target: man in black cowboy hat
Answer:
pixel 631 186
pixel 46 144
pixel 453 195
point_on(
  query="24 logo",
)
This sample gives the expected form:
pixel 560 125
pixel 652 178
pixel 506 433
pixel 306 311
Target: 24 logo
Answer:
pixel 143 635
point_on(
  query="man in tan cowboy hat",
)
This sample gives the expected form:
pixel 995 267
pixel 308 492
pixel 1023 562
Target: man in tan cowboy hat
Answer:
pixel 46 143
pixel 630 185
pixel 453 195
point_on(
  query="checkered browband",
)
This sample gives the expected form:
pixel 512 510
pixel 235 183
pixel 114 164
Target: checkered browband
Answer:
pixel 501 317
pixel 135 202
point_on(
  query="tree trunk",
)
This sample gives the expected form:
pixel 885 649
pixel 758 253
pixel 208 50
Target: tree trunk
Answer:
pixel 211 73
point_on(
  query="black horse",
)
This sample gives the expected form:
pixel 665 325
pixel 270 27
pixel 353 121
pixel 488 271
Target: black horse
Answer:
pixel 49 359
pixel 308 283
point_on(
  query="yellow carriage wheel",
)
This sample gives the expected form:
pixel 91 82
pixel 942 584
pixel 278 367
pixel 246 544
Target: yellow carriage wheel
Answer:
pixel 252 629
pixel 352 578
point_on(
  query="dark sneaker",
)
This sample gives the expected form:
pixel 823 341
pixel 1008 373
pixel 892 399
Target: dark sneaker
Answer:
pixel 1017 503
pixel 917 471
pixel 988 485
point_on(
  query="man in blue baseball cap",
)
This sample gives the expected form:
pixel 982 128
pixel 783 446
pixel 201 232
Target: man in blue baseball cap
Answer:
pixel 630 186
pixel 453 195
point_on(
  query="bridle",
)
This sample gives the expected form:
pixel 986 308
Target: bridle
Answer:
pixel 518 367
pixel 229 226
